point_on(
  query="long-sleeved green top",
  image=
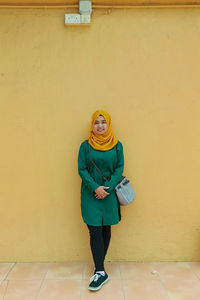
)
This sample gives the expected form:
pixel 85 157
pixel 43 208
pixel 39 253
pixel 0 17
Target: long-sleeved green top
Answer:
pixel 97 212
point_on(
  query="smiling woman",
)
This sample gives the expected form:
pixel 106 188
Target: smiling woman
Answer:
pixel 99 204
pixel 101 132
pixel 100 125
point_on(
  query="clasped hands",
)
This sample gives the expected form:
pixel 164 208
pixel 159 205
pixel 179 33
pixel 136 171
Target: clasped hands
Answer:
pixel 100 192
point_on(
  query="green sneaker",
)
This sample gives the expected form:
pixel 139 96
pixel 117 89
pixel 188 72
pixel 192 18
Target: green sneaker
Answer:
pixel 97 280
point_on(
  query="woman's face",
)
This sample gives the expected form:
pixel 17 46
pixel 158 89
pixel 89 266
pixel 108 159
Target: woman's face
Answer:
pixel 100 125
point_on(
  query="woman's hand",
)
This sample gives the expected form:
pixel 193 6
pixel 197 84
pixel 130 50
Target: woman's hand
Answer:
pixel 100 192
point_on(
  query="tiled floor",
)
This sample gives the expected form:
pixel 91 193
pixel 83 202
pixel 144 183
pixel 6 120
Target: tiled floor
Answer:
pixel 128 281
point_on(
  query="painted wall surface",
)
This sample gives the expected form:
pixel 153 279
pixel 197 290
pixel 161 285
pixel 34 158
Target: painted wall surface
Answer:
pixel 143 66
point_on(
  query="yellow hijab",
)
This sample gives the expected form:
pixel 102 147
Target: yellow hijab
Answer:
pixel 104 141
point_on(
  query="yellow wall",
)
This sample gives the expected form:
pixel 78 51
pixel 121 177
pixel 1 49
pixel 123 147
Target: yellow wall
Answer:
pixel 143 66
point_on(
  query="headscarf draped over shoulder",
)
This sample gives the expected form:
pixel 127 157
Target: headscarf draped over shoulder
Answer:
pixel 104 141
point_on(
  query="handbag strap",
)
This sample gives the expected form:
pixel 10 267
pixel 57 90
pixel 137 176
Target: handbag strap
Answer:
pixel 104 178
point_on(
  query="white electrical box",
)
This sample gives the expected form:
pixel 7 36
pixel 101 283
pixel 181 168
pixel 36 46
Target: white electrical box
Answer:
pixel 84 16
pixel 72 19
pixel 85 7
pixel 85 19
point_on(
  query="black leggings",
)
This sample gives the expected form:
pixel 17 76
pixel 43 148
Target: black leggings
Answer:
pixel 99 242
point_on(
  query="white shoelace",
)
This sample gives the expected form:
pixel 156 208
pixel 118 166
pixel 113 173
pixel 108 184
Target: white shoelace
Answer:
pixel 95 277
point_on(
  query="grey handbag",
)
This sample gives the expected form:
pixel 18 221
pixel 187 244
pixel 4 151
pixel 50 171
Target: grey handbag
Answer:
pixel 123 190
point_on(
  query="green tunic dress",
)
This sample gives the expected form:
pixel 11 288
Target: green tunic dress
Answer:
pixel 97 212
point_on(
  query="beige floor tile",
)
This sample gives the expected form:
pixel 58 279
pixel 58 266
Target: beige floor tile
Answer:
pixel 181 289
pixel 60 289
pixel 174 270
pixel 195 267
pixel 3 287
pixel 111 268
pixel 30 271
pixel 144 289
pixel 135 270
pixel 110 290
pixel 65 270
pixel 4 269
pixel 22 289
pixel 88 270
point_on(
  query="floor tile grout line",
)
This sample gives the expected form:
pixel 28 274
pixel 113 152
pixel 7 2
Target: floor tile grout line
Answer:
pixel 198 278
pixel 14 264
pixel 81 285
pixel 5 290
pixel 7 281
pixel 160 278
pixel 121 281
pixel 193 272
pixel 42 281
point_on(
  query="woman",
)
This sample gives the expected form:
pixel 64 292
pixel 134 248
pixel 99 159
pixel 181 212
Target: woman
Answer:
pixel 99 204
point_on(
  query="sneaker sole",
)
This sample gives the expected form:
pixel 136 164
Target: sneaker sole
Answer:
pixel 96 289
